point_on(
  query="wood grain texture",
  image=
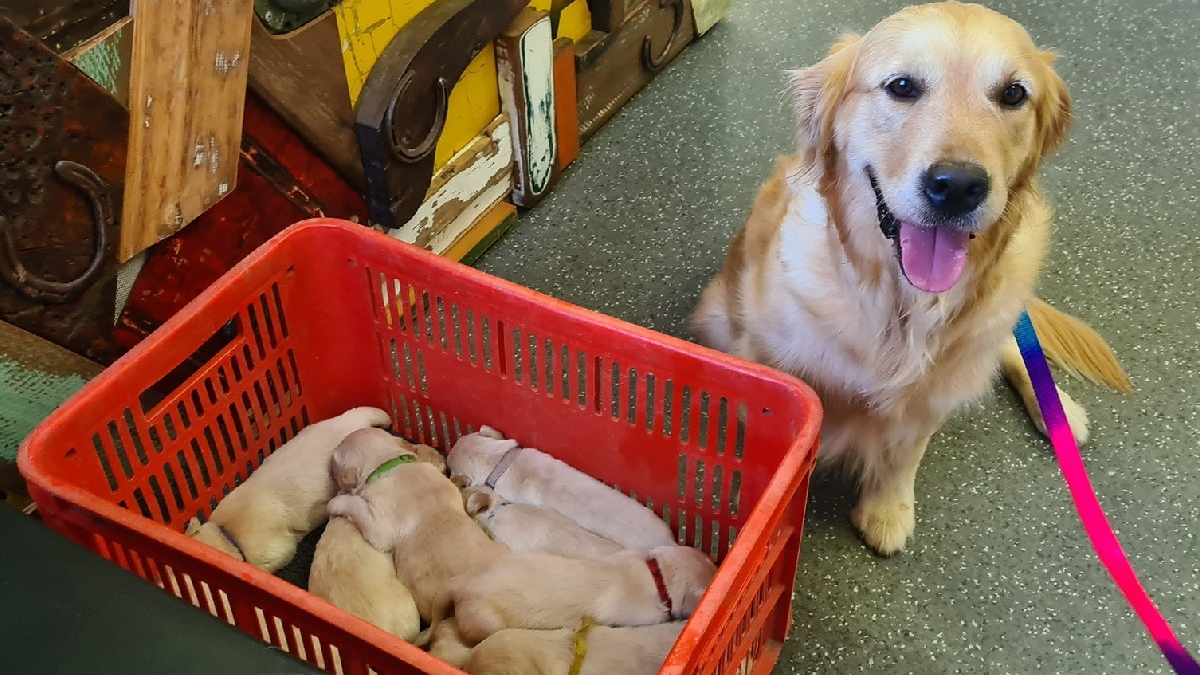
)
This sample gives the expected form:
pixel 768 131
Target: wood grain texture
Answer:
pixel 281 181
pixel 483 233
pixel 478 177
pixel 612 67
pixel 403 108
pixel 301 77
pixel 525 67
pixel 566 111
pixel 187 89
pixel 62 163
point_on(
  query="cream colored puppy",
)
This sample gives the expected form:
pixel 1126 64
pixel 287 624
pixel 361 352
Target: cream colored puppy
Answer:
pixel 412 511
pixel 351 574
pixel 637 650
pixel 264 518
pixel 523 527
pixel 546 591
pixel 529 476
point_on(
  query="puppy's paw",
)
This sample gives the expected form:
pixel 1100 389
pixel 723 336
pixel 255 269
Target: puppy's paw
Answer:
pixel 1077 417
pixel 460 481
pixel 489 432
pixel 477 500
pixel 885 527
pixel 192 528
pixel 341 506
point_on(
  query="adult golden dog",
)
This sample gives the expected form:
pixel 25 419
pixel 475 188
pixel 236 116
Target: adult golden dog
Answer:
pixel 886 263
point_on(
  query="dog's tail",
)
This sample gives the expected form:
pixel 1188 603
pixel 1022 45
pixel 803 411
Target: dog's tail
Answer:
pixel 1075 347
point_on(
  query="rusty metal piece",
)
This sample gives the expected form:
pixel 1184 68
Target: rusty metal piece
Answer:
pixel 35 287
pixel 654 63
pixel 411 154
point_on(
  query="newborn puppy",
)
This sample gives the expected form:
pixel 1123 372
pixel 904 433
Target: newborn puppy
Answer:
pixel 638 650
pixel 351 574
pixel 412 511
pixel 264 518
pixel 523 527
pixel 528 476
pixel 546 591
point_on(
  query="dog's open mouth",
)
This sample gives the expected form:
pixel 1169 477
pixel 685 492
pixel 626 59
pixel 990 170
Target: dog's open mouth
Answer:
pixel 931 257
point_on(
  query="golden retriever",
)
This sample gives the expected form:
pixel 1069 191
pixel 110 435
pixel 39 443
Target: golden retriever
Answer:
pixel 263 519
pixel 524 527
pixel 886 262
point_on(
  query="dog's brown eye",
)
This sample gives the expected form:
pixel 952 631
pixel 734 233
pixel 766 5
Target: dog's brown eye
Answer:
pixel 903 87
pixel 1013 95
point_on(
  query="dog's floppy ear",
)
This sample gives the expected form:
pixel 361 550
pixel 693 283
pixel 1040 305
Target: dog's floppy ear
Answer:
pixel 816 92
pixel 1054 108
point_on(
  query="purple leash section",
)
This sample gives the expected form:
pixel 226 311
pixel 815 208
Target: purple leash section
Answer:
pixel 1095 523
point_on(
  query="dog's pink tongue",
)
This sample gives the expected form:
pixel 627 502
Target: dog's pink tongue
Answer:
pixel 933 257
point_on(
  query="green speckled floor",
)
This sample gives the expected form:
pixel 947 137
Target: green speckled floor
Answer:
pixel 999 578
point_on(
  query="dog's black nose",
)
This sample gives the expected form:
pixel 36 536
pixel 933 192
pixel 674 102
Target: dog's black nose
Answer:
pixel 955 188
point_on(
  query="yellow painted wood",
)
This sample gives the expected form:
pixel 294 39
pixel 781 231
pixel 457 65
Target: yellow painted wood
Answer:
pixel 575 22
pixel 365 27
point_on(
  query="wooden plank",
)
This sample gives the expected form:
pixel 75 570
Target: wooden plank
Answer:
pixel 709 12
pixel 478 178
pixel 187 89
pixel 525 63
pixel 609 15
pixel 566 112
pixel 612 67
pixel 575 21
pixel 62 163
pixel 482 233
pixel 63 24
pixel 105 59
pixel 281 180
pixel 403 107
pixel 301 77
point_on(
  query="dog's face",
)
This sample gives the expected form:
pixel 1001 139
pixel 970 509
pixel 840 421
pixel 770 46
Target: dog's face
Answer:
pixel 938 114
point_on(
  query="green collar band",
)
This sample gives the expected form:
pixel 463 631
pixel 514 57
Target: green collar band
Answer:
pixel 389 465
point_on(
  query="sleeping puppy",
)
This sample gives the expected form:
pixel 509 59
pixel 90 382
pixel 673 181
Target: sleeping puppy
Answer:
pixel 546 591
pixel 887 262
pixel 264 518
pixel 638 650
pixel 413 512
pixel 528 476
pixel 523 527
pixel 351 574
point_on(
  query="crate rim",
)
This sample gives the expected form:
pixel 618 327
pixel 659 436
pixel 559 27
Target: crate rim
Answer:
pixel 796 463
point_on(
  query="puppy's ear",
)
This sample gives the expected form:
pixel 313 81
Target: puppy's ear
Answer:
pixel 816 92
pixel 489 432
pixel 1054 108
pixel 477 501
pixel 192 527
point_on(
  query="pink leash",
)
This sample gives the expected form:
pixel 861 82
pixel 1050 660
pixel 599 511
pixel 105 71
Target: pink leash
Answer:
pixel 1108 549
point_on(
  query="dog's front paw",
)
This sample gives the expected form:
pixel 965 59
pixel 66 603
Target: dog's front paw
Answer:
pixel 341 506
pixel 1077 417
pixel 885 527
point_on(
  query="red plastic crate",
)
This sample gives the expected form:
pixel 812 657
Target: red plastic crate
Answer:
pixel 329 315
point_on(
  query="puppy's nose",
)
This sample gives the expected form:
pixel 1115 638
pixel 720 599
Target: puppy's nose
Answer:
pixel 955 188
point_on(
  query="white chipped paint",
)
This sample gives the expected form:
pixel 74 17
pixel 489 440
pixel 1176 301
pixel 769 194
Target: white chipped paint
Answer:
pixel 476 186
pixel 223 63
pixel 198 157
pixel 708 12
pixel 214 155
pixel 534 115
pixel 537 54
pixel 222 189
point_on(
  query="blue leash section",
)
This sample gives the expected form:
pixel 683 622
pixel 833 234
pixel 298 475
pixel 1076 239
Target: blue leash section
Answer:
pixel 1095 523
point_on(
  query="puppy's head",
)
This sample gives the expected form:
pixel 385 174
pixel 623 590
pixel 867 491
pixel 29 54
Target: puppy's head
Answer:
pixel 938 115
pixel 365 450
pixel 475 455
pixel 687 573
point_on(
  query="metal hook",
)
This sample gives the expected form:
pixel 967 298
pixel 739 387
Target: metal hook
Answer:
pixel 655 63
pixel 421 150
pixel 44 290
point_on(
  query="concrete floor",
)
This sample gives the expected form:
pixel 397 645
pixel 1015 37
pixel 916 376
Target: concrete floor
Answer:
pixel 1000 577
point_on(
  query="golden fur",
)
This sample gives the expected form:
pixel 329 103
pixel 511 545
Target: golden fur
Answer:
pixel 811 286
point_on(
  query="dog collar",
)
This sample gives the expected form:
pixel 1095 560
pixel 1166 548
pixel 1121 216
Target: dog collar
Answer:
pixel 232 542
pixel 501 466
pixel 661 585
pixel 580 638
pixel 389 465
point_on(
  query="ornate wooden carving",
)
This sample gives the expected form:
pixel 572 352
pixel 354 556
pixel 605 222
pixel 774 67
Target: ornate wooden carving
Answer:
pixel 62 167
pixel 402 107
pixel 612 67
